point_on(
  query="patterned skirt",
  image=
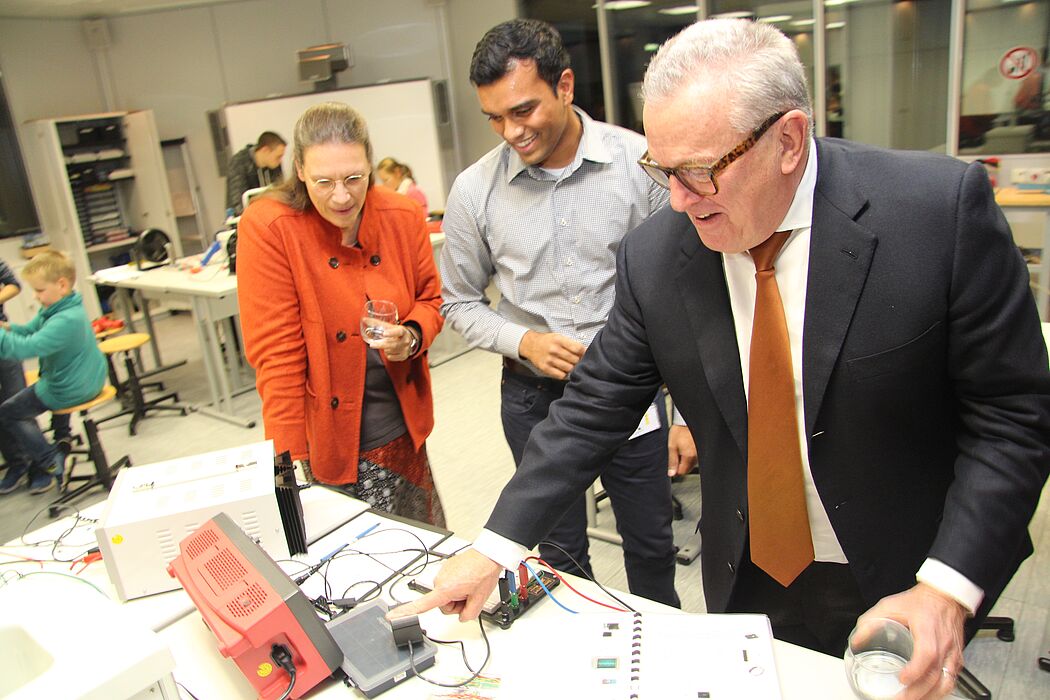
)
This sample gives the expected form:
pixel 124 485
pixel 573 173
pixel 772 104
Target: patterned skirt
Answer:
pixel 396 479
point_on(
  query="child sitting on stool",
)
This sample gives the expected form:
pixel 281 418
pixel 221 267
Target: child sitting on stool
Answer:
pixel 72 368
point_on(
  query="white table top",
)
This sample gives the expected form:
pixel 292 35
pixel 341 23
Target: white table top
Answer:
pixel 804 674
pixel 184 277
pixel 214 280
pixel 324 511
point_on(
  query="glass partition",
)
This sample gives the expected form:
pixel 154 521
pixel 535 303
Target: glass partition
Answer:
pixel 795 19
pixel 1005 91
pixel 636 31
pixel 577 22
pixel 888 70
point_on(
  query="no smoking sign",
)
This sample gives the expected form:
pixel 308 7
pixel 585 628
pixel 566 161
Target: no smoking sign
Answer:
pixel 1018 62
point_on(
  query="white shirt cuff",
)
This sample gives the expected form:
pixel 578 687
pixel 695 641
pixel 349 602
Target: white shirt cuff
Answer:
pixel 951 583
pixel 506 553
pixel 676 417
pixel 508 339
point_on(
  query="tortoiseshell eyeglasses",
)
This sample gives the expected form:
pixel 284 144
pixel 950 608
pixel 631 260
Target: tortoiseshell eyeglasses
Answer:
pixel 701 179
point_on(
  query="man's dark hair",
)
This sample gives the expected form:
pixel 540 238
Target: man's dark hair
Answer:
pixel 269 139
pixel 519 39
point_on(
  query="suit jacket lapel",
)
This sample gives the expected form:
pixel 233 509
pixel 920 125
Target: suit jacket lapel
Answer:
pixel 841 251
pixel 702 285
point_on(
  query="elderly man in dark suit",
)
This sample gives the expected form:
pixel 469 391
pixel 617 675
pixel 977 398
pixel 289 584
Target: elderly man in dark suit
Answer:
pixel 881 370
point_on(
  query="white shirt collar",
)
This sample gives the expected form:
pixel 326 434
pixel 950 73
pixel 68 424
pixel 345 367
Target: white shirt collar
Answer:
pixel 800 213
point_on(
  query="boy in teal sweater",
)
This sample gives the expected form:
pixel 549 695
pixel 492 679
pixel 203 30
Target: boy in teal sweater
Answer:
pixel 72 368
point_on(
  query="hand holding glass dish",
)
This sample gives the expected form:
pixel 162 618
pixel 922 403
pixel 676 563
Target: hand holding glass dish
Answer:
pixel 878 649
pixel 378 315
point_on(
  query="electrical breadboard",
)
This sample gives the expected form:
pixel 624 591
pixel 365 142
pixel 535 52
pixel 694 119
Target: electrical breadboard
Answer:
pixel 501 608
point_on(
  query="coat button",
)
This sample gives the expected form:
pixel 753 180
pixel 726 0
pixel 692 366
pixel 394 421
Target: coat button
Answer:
pixel 374 260
pixel 335 403
pixel 740 515
pixel 341 336
pixel 732 569
pixel 333 263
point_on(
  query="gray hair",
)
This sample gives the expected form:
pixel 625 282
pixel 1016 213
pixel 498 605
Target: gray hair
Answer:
pixel 758 66
pixel 327 122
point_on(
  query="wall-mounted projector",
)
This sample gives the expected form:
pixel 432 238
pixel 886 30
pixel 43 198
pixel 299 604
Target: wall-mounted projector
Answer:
pixel 321 63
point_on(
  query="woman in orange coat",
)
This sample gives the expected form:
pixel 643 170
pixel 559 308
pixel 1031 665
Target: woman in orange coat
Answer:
pixel 312 252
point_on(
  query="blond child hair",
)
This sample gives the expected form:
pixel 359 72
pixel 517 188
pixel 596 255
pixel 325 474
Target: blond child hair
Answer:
pixel 51 266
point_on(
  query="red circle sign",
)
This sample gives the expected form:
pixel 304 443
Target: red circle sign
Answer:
pixel 1018 62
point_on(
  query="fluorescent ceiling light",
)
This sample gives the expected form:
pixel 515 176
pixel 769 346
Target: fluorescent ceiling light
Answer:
pixel 833 3
pixel 835 25
pixel 772 19
pixel 679 10
pixel 803 22
pixel 740 14
pixel 623 4
pixel 651 48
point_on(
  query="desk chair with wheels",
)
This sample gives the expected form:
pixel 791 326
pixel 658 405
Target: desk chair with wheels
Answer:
pixel 132 389
pixel 94 452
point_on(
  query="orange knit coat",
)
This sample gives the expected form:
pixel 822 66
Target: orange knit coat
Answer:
pixel 301 297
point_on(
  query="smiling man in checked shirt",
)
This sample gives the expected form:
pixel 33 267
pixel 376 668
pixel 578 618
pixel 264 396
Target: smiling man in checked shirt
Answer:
pixel 543 214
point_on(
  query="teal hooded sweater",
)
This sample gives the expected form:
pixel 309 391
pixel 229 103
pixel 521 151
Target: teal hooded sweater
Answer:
pixel 72 368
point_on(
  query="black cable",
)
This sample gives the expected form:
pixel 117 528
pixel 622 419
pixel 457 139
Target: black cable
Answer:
pixel 475 674
pixel 346 551
pixel 293 561
pixel 187 690
pixel 371 594
pixel 57 542
pixel 592 579
pixel 417 566
pixel 454 552
pixel 283 658
pixel 406 573
pixel 462 649
pixel 291 685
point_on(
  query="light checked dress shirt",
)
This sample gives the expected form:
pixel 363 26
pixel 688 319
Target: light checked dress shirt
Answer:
pixel 548 241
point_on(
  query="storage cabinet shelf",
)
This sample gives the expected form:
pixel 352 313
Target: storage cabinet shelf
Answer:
pixel 99 181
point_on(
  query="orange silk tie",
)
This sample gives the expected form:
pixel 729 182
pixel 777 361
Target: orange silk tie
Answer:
pixel 781 543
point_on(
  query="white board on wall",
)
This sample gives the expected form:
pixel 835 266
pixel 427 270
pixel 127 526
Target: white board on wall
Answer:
pixel 407 120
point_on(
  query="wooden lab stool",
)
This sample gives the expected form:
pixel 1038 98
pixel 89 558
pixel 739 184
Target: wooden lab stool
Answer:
pixel 94 452
pixel 132 388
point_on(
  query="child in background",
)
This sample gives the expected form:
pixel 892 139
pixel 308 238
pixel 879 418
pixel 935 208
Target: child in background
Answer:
pixel 72 368
pixel 398 177
pixel 12 378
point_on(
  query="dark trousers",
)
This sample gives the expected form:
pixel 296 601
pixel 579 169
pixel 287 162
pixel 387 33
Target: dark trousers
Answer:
pixel 18 419
pixel 12 381
pixel 635 481
pixel 817 611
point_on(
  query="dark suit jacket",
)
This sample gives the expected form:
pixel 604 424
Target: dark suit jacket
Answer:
pixel 927 391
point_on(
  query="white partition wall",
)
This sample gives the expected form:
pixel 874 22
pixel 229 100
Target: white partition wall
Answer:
pixel 407 120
